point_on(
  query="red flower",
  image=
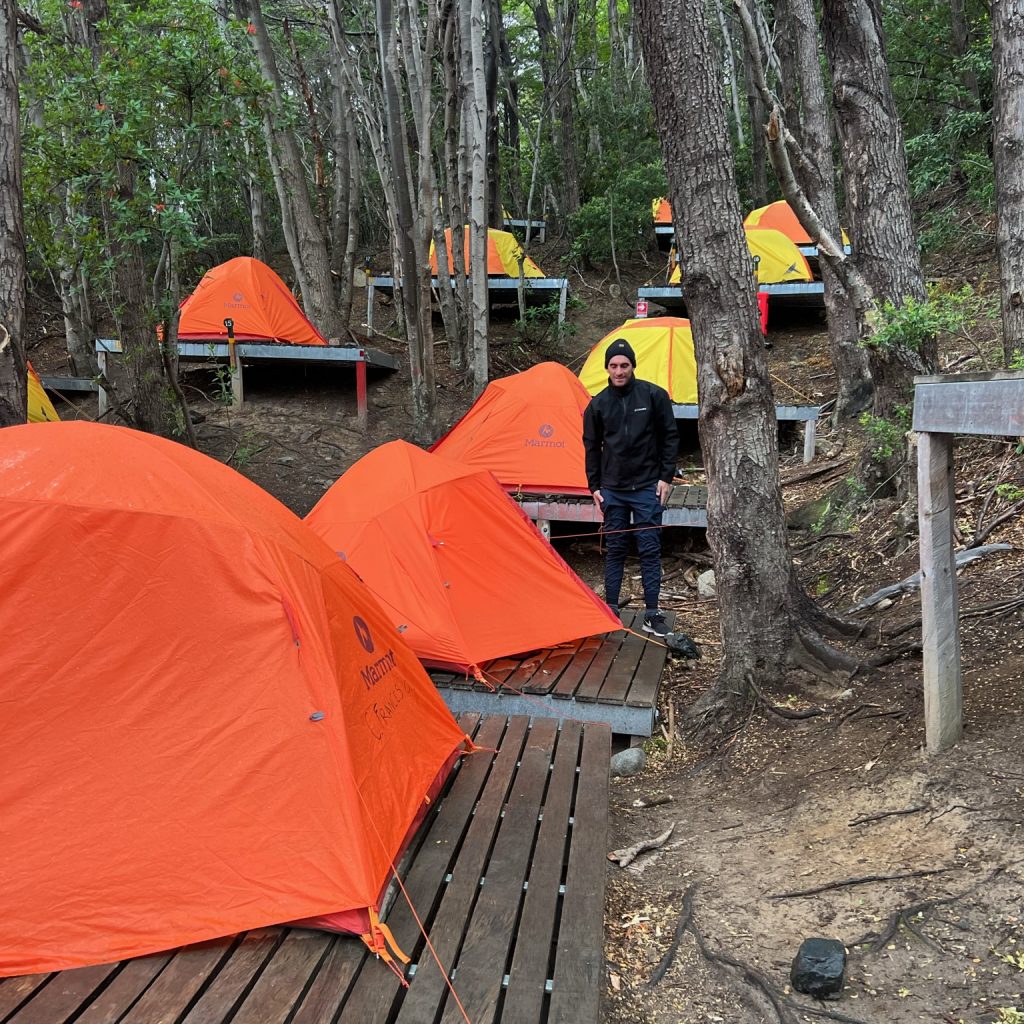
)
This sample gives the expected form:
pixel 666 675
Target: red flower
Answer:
pixel 75 4
pixel 223 72
pixel 160 206
pixel 101 107
pixel 251 29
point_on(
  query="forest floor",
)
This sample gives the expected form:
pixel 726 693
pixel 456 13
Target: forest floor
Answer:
pixel 919 859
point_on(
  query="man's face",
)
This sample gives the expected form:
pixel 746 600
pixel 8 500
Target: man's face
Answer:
pixel 620 370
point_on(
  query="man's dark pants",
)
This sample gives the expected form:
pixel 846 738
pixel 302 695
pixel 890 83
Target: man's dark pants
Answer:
pixel 626 513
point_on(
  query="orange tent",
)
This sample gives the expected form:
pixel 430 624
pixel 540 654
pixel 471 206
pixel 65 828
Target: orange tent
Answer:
pixel 503 251
pixel 463 573
pixel 661 211
pixel 250 293
pixel 208 723
pixel 526 429
pixel 780 216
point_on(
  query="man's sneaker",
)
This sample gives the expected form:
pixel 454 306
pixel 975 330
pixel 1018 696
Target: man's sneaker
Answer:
pixel 655 624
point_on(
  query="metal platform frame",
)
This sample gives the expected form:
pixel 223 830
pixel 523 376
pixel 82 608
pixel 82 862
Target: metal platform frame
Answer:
pixel 532 285
pixel 538 228
pixel 809 294
pixel 240 352
pixel 806 414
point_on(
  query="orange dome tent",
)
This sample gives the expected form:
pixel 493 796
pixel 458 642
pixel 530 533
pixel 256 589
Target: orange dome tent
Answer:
pixel 527 429
pixel 464 575
pixel 780 216
pixel 209 724
pixel 503 251
pixel 250 293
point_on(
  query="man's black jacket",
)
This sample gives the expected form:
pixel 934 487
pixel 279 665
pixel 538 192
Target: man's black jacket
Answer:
pixel 630 437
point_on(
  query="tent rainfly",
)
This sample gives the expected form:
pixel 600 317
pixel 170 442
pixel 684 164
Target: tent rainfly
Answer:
pixel 255 298
pixel 209 724
pixel 527 429
pixel 503 252
pixel 40 408
pixel 462 572
pixel 778 260
pixel 780 216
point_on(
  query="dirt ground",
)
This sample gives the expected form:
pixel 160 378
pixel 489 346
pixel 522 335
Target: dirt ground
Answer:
pixel 918 860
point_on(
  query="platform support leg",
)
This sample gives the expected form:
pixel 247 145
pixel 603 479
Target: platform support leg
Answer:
pixel 544 525
pixel 810 439
pixel 361 414
pixel 370 295
pixel 561 303
pixel 101 362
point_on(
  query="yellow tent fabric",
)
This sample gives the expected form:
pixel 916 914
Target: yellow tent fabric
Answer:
pixel 503 251
pixel 664 356
pixel 780 215
pixel 779 261
pixel 40 408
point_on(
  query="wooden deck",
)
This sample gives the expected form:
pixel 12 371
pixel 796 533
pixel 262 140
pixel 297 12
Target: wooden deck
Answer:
pixel 507 875
pixel 686 506
pixel 612 678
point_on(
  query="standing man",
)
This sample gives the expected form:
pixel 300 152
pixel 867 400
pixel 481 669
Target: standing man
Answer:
pixel 630 438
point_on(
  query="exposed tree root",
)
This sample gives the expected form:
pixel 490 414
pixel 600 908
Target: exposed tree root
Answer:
pixel 864 880
pixel 781 712
pixel 811 653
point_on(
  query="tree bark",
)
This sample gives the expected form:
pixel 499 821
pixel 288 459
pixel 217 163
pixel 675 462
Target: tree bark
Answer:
pixel 817 177
pixel 730 70
pixel 878 201
pixel 756 112
pixel 960 31
pixel 1008 155
pixel 738 433
pixel 13 381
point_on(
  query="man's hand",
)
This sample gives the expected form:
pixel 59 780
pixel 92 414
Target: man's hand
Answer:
pixel 663 491
pixel 598 500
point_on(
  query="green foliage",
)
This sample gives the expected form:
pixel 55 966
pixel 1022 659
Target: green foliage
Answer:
pixel 887 436
pixel 914 324
pixel 626 205
pixel 540 331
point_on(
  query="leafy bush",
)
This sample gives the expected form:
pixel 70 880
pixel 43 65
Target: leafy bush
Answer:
pixel 915 323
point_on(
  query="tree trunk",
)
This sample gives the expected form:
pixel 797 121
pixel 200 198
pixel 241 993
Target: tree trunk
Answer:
pixel 476 139
pixel 878 201
pixel 817 177
pixel 492 45
pixel 730 69
pixel 1008 154
pixel 311 260
pixel 758 152
pixel 347 186
pixel 960 31
pixel 738 432
pixel 13 381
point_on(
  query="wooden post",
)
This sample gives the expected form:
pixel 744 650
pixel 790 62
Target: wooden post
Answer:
pixel 810 439
pixel 234 365
pixel 101 362
pixel 544 525
pixel 943 691
pixel 370 295
pixel 361 414
pixel 563 295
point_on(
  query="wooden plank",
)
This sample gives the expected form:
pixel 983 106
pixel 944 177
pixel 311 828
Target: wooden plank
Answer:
pixel 14 991
pixel 122 993
pixel 179 983
pixel 284 980
pixel 525 995
pixel 593 679
pixel 955 406
pixel 647 679
pixel 372 993
pixel 940 605
pixel 579 958
pixel 547 675
pixel 574 672
pixel 345 961
pixel 428 990
pixel 235 978
pixel 619 680
pixel 529 668
pixel 64 996
pixel 488 944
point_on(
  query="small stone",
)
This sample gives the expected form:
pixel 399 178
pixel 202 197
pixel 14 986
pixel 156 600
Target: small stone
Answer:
pixel 706 583
pixel 886 602
pixel 628 762
pixel 818 968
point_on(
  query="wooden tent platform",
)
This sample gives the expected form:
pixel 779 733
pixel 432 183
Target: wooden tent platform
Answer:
pixel 686 506
pixel 251 352
pixel 612 678
pixel 789 295
pixel 507 874
pixel 808 415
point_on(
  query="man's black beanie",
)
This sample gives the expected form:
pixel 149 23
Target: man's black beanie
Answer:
pixel 619 347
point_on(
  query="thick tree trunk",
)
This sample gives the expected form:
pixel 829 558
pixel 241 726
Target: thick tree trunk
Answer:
pixel 492 45
pixel 1008 154
pixel 960 31
pixel 312 265
pixel 738 433
pixel 878 201
pixel 817 177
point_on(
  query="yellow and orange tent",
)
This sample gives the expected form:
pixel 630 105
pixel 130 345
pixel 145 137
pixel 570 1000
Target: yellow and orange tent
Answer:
pixel 40 408
pixel 664 356
pixel 661 211
pixel 780 216
pixel 779 261
pixel 208 725
pixel 462 572
pixel 527 429
pixel 250 293
pixel 503 252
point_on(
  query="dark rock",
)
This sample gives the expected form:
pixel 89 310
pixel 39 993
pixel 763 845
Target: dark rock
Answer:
pixel 628 762
pixel 818 968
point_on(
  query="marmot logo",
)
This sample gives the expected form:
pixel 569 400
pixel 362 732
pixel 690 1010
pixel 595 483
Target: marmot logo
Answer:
pixel 545 430
pixel 363 634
